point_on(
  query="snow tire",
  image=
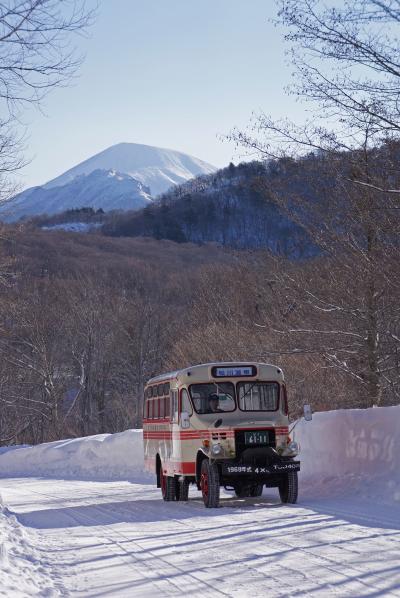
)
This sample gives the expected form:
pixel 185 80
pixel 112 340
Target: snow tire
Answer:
pixel 209 483
pixel 288 488
pixel 167 486
pixel 182 489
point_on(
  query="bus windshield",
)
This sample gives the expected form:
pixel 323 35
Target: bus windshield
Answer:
pixel 213 397
pixel 258 396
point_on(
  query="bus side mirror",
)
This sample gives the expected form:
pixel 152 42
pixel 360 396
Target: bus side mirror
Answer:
pixel 307 413
pixel 185 420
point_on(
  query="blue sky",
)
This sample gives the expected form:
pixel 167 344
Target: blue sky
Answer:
pixel 173 74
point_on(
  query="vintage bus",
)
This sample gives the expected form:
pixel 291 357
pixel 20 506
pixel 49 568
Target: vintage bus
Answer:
pixel 220 424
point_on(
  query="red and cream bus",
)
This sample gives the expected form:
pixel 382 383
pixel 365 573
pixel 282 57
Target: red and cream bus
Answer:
pixel 220 424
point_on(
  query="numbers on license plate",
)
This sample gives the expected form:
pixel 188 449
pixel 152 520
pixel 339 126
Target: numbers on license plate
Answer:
pixel 256 437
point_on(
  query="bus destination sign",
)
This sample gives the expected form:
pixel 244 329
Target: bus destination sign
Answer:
pixel 244 371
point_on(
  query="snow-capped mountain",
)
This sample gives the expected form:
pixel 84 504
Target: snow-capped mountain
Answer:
pixel 125 176
pixel 155 167
pixel 106 189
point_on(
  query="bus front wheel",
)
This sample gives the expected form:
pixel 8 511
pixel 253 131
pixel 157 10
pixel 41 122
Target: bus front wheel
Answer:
pixel 209 484
pixel 167 486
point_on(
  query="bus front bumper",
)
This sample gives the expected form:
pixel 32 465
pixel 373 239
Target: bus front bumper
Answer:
pixel 234 469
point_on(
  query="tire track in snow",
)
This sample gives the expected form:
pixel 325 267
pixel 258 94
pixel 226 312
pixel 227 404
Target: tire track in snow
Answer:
pixel 328 563
pixel 142 562
pixel 284 564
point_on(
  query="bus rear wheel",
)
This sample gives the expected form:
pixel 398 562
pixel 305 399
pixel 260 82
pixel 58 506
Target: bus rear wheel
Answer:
pixel 288 488
pixel 182 489
pixel 167 486
pixel 209 484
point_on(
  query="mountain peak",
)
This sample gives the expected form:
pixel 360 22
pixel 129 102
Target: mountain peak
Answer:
pixel 125 176
pixel 155 167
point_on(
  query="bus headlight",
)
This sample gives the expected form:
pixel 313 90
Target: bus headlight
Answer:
pixel 216 449
pixel 293 447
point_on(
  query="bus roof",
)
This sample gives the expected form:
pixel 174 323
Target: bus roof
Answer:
pixel 204 370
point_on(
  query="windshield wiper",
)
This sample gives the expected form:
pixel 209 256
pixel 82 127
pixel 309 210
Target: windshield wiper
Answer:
pixel 247 391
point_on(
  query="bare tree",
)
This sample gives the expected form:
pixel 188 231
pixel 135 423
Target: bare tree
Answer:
pixel 36 55
pixel 346 63
pixel 347 59
pixel 33 353
pixel 35 46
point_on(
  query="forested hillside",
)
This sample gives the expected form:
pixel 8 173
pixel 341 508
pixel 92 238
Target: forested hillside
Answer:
pixel 230 207
pixel 87 319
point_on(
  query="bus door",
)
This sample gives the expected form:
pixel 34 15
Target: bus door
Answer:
pixel 174 426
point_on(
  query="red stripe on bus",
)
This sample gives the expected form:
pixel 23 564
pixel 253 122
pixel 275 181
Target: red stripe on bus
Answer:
pixel 178 467
pixel 198 434
pixel 186 435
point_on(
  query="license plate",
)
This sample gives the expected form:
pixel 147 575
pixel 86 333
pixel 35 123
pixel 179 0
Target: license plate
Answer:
pixel 256 437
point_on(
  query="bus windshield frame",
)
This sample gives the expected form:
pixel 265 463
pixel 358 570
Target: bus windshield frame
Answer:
pixel 231 389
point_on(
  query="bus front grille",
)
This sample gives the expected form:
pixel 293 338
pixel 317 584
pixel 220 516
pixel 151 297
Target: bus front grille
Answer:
pixel 241 445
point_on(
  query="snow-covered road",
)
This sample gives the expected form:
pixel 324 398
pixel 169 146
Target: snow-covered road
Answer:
pixel 120 539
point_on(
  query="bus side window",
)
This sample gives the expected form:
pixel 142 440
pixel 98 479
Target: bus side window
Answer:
pixel 155 408
pixel 174 406
pixel 186 406
pixel 161 411
pixel 167 406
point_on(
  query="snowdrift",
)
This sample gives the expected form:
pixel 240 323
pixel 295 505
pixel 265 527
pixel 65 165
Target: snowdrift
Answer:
pixel 100 457
pixel 21 571
pixel 352 450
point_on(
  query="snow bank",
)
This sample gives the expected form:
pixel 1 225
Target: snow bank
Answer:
pixel 21 571
pixel 100 457
pixel 347 451
pixel 352 449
